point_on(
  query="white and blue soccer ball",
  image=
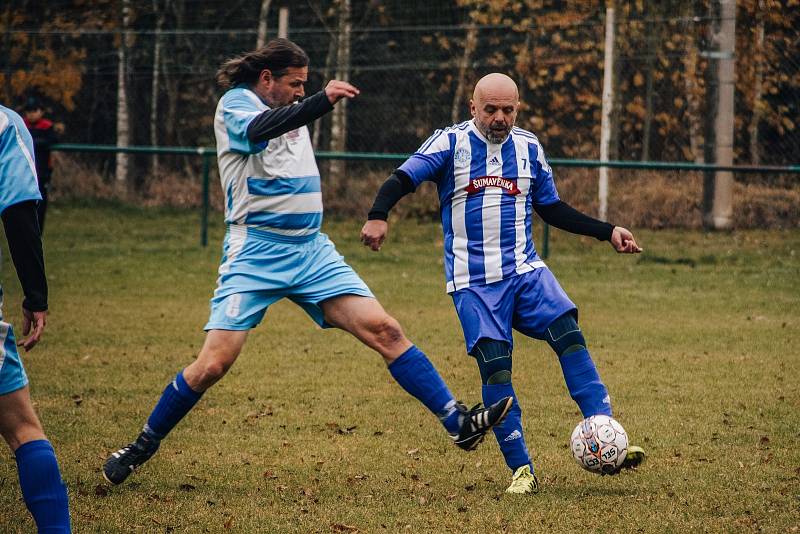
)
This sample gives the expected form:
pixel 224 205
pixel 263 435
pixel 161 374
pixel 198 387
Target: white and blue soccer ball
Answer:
pixel 599 444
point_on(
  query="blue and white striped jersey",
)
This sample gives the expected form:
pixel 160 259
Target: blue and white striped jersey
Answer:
pixel 486 192
pixel 273 186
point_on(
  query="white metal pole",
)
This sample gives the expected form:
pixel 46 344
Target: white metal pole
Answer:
pixel 608 102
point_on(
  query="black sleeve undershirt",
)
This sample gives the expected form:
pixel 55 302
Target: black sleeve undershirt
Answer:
pixel 25 245
pixel 563 216
pixel 393 189
pixel 273 123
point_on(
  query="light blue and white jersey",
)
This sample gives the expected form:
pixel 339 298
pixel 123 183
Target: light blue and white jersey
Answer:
pixel 18 181
pixel 273 186
pixel 486 192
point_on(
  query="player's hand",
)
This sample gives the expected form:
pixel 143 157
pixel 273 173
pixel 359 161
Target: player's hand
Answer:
pixel 33 323
pixel 623 242
pixel 336 90
pixel 374 233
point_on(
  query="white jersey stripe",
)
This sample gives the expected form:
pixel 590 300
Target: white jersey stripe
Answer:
pixel 459 206
pixel 492 199
pixel 296 203
pixel 524 185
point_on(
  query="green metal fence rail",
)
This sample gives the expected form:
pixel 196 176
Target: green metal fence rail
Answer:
pixel 209 152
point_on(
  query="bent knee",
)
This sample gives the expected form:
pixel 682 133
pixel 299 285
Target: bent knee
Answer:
pixel 208 369
pixel 388 331
pixel 216 369
pixel 564 335
pixel 494 361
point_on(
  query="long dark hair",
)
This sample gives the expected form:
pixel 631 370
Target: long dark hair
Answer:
pixel 276 56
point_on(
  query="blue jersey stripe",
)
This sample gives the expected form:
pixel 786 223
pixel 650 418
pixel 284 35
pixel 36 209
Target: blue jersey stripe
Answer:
pixel 530 251
pixel 283 186
pixel 285 221
pixel 508 214
pixel 474 213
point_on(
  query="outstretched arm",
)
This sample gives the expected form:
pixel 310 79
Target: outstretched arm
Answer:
pixel 393 189
pixel 563 216
pixel 273 123
pixel 25 244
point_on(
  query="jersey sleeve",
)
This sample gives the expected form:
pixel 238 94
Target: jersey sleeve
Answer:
pixel 238 111
pixel 428 162
pixel 543 187
pixel 18 181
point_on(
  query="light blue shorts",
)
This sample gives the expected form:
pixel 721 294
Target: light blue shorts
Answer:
pixel 257 271
pixel 12 373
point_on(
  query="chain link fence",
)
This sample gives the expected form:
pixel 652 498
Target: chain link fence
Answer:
pixel 415 63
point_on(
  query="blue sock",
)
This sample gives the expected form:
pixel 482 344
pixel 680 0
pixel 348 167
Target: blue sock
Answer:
pixel 417 375
pixel 176 401
pixel 584 383
pixel 44 492
pixel 508 433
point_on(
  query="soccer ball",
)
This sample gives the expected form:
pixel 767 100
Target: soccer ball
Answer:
pixel 599 444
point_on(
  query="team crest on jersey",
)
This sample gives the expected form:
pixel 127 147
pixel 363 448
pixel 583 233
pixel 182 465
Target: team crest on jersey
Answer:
pixel 293 135
pixel 482 182
pixel 462 157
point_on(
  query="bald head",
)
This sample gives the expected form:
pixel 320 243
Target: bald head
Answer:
pixel 496 85
pixel 494 106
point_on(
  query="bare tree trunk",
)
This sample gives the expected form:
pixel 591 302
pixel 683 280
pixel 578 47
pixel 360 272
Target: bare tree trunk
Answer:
pixel 758 81
pixel 470 43
pixel 160 15
pixel 283 22
pixel 616 104
pixel 123 123
pixel 7 49
pixel 339 117
pixel 171 80
pixel 652 38
pixel 718 185
pixel 261 38
pixel 326 74
pixel 693 97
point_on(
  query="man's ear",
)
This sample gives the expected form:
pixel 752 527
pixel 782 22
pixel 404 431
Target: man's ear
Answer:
pixel 265 76
pixel 472 108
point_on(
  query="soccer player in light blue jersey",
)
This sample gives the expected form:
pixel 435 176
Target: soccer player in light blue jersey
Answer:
pixel 274 249
pixel 491 176
pixel 43 490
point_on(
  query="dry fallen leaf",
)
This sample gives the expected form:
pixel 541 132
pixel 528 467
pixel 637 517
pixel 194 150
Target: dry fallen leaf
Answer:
pixel 339 527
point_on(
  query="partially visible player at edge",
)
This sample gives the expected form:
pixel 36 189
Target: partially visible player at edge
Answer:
pixel 274 249
pixel 43 490
pixel 490 177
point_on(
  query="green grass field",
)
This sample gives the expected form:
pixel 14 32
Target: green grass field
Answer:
pixel 697 340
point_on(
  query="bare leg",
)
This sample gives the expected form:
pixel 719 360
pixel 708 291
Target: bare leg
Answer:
pixel 366 319
pixel 220 350
pixel 18 421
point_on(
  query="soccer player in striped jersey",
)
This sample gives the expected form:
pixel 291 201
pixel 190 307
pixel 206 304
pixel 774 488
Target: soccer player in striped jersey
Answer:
pixel 274 249
pixel 491 176
pixel 43 490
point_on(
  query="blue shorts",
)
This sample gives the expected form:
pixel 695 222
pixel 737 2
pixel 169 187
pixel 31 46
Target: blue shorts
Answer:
pixel 527 303
pixel 257 271
pixel 12 373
